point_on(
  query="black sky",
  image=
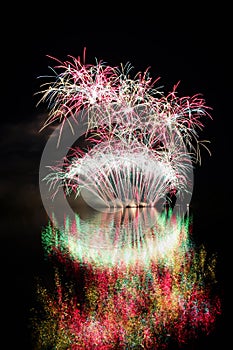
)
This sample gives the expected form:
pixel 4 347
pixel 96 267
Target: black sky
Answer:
pixel 193 48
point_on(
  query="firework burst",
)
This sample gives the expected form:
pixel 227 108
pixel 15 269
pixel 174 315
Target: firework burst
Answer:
pixel 122 173
pixel 110 96
pixel 136 132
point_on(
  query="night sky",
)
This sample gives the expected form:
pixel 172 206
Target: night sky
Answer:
pixel 193 49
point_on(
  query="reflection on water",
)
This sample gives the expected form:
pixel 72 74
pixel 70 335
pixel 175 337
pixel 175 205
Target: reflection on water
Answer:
pixel 132 279
pixel 129 235
pixel 130 217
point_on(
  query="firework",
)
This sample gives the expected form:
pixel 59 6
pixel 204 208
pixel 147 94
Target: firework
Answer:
pixel 142 141
pixel 110 96
pixel 122 174
pixel 133 277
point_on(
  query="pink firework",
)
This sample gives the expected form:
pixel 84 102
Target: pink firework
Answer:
pixel 126 118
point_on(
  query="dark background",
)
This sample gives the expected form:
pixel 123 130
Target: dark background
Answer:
pixel 192 46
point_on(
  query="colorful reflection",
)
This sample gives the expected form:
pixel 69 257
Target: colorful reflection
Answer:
pixel 125 284
pixel 128 236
